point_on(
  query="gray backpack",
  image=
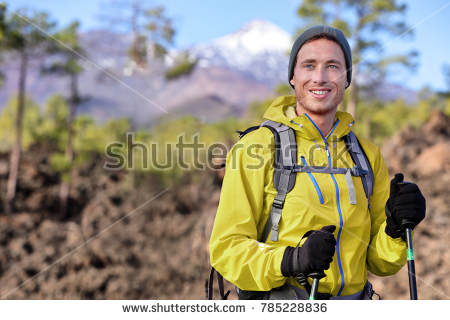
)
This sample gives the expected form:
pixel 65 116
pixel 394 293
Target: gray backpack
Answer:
pixel 285 173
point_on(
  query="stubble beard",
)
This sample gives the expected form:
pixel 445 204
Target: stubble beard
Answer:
pixel 319 107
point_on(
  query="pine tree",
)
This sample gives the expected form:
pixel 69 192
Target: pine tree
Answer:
pixel 152 30
pixel 26 38
pixel 65 64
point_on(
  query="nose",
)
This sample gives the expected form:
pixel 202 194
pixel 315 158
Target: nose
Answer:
pixel 320 75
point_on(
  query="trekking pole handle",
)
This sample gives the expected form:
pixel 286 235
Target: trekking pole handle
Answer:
pixel 406 223
pixel 317 275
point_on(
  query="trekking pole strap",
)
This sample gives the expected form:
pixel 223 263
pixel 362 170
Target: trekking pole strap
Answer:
pixel 210 284
pixel 223 296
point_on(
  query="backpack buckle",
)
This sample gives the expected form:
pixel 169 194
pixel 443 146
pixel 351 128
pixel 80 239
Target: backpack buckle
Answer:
pixel 358 172
pixel 355 172
pixel 278 204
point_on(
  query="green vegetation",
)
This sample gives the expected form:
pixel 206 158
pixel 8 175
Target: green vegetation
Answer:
pixel 31 122
pixel 50 127
pixel 182 67
pixel 379 121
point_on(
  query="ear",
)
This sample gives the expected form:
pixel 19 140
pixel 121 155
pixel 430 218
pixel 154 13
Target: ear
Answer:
pixel 346 84
pixel 291 81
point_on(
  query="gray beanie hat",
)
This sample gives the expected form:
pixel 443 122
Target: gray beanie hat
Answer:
pixel 339 37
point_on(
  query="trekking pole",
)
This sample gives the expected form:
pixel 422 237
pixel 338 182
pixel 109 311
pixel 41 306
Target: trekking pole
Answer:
pixel 408 225
pixel 316 276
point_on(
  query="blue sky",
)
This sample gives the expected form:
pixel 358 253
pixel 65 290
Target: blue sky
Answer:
pixel 202 20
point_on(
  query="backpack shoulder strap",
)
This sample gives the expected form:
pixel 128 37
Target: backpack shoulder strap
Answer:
pixel 362 162
pixel 284 179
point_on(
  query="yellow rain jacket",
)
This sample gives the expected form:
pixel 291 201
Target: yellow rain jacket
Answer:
pixel 317 200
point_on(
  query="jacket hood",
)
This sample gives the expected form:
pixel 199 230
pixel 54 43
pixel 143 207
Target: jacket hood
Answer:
pixel 281 111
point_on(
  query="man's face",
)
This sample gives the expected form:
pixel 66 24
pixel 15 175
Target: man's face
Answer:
pixel 320 77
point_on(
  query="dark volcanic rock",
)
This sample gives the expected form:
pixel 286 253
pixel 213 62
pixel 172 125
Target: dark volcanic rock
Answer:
pixel 106 248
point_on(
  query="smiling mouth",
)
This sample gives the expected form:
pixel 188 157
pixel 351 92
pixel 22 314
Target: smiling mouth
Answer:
pixel 320 92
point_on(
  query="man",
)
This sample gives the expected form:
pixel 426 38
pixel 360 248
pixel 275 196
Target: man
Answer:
pixel 345 239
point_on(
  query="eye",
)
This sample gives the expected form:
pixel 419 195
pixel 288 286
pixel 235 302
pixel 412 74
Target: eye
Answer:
pixel 308 66
pixel 333 66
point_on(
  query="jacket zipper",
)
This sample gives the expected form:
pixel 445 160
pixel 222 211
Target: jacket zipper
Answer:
pixel 316 185
pixel 341 222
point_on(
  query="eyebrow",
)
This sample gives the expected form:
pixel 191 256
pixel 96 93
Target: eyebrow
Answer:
pixel 334 61
pixel 314 60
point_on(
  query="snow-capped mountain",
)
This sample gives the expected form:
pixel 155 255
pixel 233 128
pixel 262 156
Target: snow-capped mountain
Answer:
pixel 259 50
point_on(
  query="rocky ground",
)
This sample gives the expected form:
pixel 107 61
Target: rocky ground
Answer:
pixel 423 157
pixel 128 237
pixel 141 242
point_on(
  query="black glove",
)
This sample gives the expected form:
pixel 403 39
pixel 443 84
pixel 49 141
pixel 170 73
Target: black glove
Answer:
pixel 316 254
pixel 406 203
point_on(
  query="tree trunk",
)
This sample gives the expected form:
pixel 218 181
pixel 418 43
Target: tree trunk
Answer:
pixel 15 153
pixel 65 185
pixel 64 198
pixel 136 55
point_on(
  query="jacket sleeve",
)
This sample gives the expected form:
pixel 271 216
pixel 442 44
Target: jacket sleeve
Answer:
pixel 385 256
pixel 234 250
